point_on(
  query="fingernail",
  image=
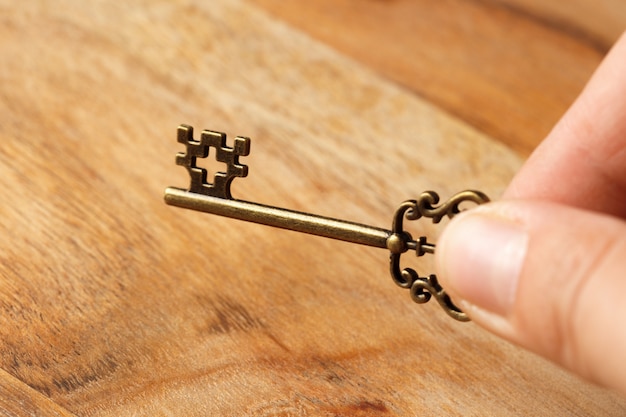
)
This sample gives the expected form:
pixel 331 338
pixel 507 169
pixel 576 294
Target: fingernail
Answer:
pixel 480 258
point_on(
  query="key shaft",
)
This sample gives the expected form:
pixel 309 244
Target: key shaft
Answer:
pixel 285 219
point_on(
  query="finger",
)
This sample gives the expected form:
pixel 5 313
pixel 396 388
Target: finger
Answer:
pixel 545 276
pixel 582 162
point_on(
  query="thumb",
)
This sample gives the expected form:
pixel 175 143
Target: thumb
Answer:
pixel 548 277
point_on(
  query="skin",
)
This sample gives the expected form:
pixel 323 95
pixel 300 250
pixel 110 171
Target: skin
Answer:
pixel 547 265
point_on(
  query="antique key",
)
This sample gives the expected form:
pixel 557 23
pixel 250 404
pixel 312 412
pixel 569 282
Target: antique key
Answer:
pixel 215 198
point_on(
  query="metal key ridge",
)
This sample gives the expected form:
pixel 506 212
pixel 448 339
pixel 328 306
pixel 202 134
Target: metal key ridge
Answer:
pixel 215 198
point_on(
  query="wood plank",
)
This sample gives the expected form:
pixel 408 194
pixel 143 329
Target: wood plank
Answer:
pixel 114 304
pixel 510 68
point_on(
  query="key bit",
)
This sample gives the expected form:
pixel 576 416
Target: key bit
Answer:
pixel 215 198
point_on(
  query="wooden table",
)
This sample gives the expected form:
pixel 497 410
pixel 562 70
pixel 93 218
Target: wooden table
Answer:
pixel 114 304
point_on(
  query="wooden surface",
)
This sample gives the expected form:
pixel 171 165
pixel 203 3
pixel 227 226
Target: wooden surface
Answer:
pixel 114 304
pixel 507 67
pixel 18 399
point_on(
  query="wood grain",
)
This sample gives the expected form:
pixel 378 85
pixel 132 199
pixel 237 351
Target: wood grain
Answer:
pixel 510 68
pixel 114 304
pixel 19 400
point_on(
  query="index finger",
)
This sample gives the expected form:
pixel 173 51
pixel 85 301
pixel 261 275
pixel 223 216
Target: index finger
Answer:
pixel 582 162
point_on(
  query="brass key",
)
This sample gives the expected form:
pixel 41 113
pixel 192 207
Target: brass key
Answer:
pixel 215 198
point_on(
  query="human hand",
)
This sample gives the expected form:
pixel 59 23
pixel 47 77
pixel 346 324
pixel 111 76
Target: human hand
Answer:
pixel 546 267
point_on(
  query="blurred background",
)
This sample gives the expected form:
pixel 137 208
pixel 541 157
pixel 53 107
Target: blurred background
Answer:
pixel 508 67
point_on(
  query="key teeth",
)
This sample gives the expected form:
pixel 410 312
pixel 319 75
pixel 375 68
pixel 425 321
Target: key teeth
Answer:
pixel 185 134
pixel 242 146
pixel 220 187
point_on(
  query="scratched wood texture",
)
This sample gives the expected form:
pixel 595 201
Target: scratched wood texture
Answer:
pixel 114 304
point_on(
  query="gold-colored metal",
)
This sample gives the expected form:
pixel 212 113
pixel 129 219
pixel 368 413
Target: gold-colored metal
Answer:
pixel 215 198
